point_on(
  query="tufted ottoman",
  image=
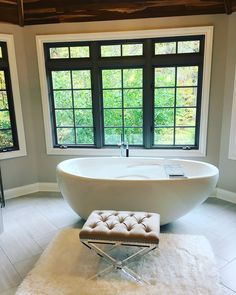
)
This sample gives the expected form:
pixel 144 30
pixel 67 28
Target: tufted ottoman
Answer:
pixel 137 229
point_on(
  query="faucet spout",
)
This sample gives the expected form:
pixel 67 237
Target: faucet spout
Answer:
pixel 124 149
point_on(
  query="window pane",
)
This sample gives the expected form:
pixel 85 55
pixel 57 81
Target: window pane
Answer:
pixel 112 98
pixel 3 100
pixel 81 79
pixel 186 117
pixel 186 97
pixel 61 80
pixel 164 97
pixel 79 52
pixel 164 136
pixel 185 136
pixel 0 52
pixel 59 52
pixel 84 136
pixel 112 118
pixel 165 48
pixel 132 49
pixel 2 81
pixel 133 98
pixel 110 50
pixel 111 78
pixel 64 118
pixel 187 76
pixel 134 136
pixel 164 117
pixel 5 120
pixel 132 78
pixel 83 118
pixel 164 77
pixel 112 135
pixel 133 117
pixel 65 136
pixel 6 139
pixel 82 98
pixel 188 46
pixel 63 99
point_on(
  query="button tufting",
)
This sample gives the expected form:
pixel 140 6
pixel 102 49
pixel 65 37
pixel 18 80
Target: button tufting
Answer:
pixel 104 219
pixel 148 230
pixel 116 214
pixel 149 215
pixel 93 225
pixel 131 214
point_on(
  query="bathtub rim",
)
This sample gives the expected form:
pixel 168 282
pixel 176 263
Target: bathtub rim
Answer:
pixel 59 169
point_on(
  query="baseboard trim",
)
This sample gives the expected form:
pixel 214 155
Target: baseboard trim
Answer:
pixel 30 188
pixel 226 195
pixel 53 187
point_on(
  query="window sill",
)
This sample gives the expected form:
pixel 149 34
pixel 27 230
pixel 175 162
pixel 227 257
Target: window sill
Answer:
pixel 132 152
pixel 13 154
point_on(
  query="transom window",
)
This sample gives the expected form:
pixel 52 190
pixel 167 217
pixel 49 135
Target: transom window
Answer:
pixel 8 132
pixel 146 92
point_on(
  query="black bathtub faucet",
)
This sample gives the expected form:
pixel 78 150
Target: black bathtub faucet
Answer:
pixel 124 149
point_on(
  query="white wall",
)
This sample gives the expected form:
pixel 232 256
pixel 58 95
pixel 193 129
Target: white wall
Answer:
pixel 40 166
pixel 227 166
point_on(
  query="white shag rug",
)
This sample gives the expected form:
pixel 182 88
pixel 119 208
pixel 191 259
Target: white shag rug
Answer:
pixel 185 264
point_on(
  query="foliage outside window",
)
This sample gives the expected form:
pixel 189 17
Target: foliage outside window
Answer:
pixel 8 132
pixel 146 92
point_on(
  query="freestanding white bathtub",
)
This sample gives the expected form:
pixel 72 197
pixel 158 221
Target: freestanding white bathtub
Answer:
pixel 137 184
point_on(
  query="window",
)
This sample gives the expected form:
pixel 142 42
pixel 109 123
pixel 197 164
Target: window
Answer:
pixel 11 139
pixel 147 91
pixel 8 133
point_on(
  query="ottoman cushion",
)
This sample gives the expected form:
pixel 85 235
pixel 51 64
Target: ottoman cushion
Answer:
pixel 123 226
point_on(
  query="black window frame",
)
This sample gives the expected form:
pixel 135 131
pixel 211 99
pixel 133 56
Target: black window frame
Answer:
pixel 148 61
pixel 5 67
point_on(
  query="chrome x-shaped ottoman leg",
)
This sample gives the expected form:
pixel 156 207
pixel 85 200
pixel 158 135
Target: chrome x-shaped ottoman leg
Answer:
pixel 117 264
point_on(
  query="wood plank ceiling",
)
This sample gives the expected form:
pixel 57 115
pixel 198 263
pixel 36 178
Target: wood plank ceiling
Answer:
pixel 33 12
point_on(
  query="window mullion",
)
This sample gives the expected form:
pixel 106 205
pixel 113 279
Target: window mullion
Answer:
pixel 96 96
pixel 148 96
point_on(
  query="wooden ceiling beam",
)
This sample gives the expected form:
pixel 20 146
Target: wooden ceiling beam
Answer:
pixel 21 16
pixel 228 6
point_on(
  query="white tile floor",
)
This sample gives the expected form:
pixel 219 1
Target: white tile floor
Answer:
pixel 31 222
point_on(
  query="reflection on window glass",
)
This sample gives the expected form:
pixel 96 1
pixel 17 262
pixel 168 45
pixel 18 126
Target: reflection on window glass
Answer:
pixel 69 52
pixel 110 50
pixel 132 49
pixel 164 136
pixel 121 50
pixel 59 52
pixel 187 76
pixel 185 136
pixel 175 105
pixel 0 52
pixel 122 106
pixel 186 96
pixel 165 48
pixel 188 46
pixel 72 96
pixel 6 136
pixel 79 51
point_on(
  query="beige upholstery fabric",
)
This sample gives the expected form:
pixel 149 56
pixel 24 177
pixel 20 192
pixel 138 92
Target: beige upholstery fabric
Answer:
pixel 124 226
